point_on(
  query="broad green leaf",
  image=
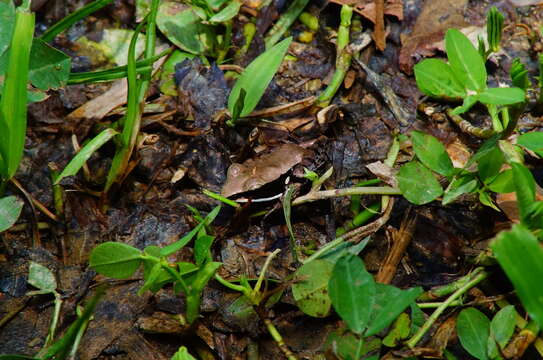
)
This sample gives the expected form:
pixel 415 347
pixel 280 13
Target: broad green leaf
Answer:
pixel 352 291
pixel 467 104
pixel 85 153
pixel 435 78
pixel 49 67
pixel 347 247
pixel 202 249
pixel 240 312
pixel 389 303
pixel 399 331
pixel 460 185
pixel 151 278
pixel 344 344
pixel 257 76
pixel 502 325
pixel 490 164
pixel 310 289
pixel 503 183
pixel 178 245
pixel 160 279
pixel 231 10
pixel 418 184
pixel 486 199
pixel 182 354
pixel 432 153
pixel 520 255
pixel 525 189
pixel 502 96
pixel 487 146
pixel 10 209
pixel 41 277
pixel 183 27
pixel 532 141
pixel 465 61
pixel 473 329
pixel 116 260
pixel 7 19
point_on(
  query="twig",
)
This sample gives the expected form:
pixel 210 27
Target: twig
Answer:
pixel 379 30
pixel 325 194
pixel 354 235
pixel 468 128
pixel 475 277
pixel 400 239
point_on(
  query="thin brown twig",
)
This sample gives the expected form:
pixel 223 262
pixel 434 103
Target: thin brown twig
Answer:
pixel 379 30
pixel 400 241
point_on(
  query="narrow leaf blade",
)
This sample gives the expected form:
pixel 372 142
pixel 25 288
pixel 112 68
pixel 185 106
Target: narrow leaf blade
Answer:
pixel 257 76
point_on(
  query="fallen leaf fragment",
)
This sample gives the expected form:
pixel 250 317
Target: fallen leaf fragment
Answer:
pixel 253 174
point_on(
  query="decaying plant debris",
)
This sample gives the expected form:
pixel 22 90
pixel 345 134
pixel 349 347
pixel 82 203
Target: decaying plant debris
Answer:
pixel 291 175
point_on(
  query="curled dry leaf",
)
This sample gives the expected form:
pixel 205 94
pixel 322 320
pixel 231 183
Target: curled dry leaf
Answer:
pixel 436 17
pixel 253 174
pixel 366 8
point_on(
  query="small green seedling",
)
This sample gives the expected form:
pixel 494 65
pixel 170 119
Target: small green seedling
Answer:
pixel 419 185
pixel 66 346
pixel 121 261
pixel 366 307
pixel 483 338
pixel 463 78
pixel 254 80
pixel 494 29
pixel 44 280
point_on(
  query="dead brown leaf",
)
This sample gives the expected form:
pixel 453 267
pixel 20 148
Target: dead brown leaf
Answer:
pixel 436 17
pixel 253 174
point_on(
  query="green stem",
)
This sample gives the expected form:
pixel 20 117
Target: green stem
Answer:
pixel 54 320
pixel 115 73
pixel 231 286
pixel 477 276
pixel 466 126
pixel 284 22
pixel 359 348
pixel 71 19
pixel 262 275
pixel 215 196
pixel 279 339
pixel 343 60
pixel 447 289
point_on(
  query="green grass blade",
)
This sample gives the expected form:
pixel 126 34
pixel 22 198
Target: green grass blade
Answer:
pixel 13 102
pixel 71 19
pixel 85 153
pixel 257 76
pixel 137 90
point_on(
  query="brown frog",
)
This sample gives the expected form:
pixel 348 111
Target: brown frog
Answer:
pixel 253 174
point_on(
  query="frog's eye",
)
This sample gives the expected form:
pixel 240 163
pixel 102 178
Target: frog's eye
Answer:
pixel 235 169
pixel 252 184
